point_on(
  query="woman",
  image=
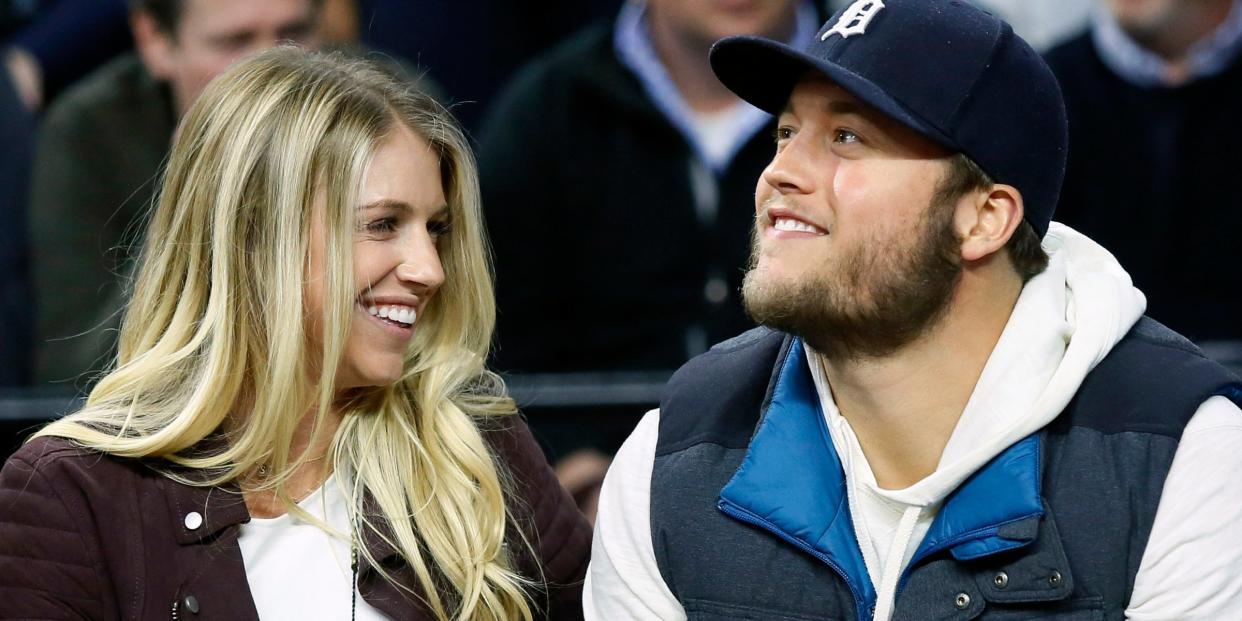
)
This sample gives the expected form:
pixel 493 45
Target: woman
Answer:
pixel 299 423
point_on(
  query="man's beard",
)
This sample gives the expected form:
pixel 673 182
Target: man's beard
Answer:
pixel 877 299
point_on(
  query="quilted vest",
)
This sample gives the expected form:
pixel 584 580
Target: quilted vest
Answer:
pixel 750 518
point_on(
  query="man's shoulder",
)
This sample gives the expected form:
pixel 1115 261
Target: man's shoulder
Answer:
pixel 1071 52
pixel 717 396
pixel 733 359
pixel 111 90
pixel 581 70
pixel 577 58
pixel 1153 381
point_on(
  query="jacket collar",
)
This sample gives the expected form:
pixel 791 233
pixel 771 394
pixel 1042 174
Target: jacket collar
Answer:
pixel 223 507
pixel 217 508
pixel 791 483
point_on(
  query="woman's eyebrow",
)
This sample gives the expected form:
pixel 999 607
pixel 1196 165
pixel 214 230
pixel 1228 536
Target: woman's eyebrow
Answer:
pixel 387 203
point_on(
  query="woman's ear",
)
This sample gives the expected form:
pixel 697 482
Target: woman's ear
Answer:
pixel 986 219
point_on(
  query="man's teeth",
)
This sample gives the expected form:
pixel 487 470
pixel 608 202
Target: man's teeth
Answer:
pixel 790 224
pixel 399 314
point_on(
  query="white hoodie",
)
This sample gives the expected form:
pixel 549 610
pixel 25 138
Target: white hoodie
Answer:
pixel 1065 321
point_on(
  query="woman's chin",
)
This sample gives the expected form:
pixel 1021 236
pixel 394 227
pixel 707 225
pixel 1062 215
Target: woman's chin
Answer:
pixel 368 376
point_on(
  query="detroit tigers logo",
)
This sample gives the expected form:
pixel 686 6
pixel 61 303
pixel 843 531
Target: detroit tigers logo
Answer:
pixel 854 20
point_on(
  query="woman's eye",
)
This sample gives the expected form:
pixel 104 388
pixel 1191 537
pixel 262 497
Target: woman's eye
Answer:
pixel 782 133
pixel 383 225
pixel 845 136
pixel 439 228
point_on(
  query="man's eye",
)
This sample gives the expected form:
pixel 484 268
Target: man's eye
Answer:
pixel 782 133
pixel 845 136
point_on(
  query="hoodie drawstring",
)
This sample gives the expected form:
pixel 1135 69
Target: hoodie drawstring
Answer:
pixel 886 595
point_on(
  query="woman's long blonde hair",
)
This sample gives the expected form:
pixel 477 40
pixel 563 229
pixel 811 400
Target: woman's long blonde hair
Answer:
pixel 214 344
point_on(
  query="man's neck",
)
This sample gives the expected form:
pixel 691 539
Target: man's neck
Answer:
pixel 905 406
pixel 686 61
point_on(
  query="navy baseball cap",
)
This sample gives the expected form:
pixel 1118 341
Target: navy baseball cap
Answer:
pixel 947 70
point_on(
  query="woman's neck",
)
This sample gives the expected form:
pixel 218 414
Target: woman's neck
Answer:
pixel 315 468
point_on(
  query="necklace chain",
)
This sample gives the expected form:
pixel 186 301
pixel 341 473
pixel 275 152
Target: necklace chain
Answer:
pixel 353 595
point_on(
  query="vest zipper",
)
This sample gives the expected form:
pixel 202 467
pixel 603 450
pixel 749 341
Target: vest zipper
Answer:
pixel 743 515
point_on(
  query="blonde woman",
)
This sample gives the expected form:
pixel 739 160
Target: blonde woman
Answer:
pixel 299 424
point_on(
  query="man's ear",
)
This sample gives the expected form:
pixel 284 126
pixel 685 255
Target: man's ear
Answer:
pixel 155 46
pixel 986 219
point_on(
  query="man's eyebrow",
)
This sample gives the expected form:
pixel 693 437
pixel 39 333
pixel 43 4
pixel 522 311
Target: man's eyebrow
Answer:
pixel 840 107
pixel 850 107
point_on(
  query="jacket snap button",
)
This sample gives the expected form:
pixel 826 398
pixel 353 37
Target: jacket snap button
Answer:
pixel 191 604
pixel 1055 578
pixel 193 520
pixel 1001 580
pixel 961 601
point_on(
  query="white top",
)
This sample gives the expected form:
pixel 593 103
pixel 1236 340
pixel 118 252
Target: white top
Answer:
pixel 1066 320
pixel 298 571
pixel 716 132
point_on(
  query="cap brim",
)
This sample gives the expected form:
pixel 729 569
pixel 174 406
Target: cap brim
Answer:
pixel 764 72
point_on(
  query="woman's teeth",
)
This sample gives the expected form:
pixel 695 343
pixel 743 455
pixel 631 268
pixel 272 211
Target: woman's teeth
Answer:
pixel 398 314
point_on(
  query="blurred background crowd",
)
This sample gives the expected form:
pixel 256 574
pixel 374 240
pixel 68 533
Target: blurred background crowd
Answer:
pixel 617 173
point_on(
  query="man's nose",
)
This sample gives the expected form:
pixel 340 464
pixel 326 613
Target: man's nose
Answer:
pixel 790 171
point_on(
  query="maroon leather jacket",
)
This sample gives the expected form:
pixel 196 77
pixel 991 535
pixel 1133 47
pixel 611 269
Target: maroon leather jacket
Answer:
pixel 87 536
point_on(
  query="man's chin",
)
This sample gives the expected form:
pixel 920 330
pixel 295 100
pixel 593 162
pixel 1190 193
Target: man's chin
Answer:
pixel 768 298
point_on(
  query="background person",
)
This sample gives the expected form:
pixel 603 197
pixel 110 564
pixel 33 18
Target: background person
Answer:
pixel 615 129
pixel 99 154
pixel 1152 89
pixel 944 417
pixel 300 381
pixel 619 127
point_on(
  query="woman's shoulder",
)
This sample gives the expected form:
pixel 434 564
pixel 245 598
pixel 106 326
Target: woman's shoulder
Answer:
pixel 45 449
pixel 561 534
pixel 48 453
pixel 60 464
pixel 519 455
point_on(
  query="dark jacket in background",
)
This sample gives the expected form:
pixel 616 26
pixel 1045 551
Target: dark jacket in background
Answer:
pixel 16 307
pixel 99 154
pixel 87 536
pixel 601 261
pixel 1153 176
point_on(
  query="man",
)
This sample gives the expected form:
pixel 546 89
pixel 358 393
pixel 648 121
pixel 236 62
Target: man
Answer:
pixel 614 173
pixel 1153 90
pixel 942 419
pixel 99 154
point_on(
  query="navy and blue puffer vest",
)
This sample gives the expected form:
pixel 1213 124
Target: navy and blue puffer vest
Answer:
pixel 750 518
